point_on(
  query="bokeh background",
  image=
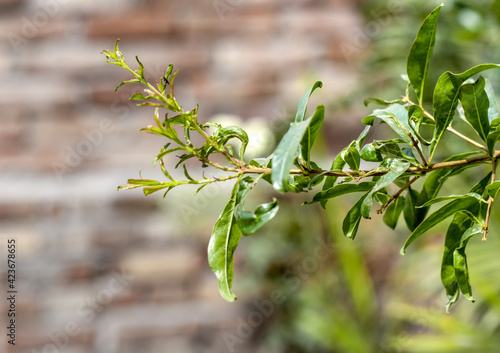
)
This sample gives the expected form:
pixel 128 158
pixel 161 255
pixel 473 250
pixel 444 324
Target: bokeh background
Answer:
pixel 102 271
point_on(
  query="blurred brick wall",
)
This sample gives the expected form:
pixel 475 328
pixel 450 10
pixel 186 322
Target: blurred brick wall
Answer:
pixel 107 271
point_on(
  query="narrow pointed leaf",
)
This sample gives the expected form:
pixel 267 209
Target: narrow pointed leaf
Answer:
pixel 396 117
pixel 410 210
pixel 302 107
pixel 379 101
pixel 223 242
pixel 433 184
pixel 421 52
pixel 460 224
pixel 439 216
pixel 396 168
pixel 445 99
pixel 337 164
pixel 393 212
pixel 247 221
pixel 311 133
pixel 285 154
pixel 460 262
pixel 352 220
pixel 342 189
pixel 476 104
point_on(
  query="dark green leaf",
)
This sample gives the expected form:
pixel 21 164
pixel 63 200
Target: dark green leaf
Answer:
pixel 311 133
pixel 493 189
pixel 302 107
pixel 421 52
pixel 417 118
pixel 393 212
pixel 492 139
pixel 445 99
pixel 223 242
pixel 460 224
pixel 247 221
pixel 352 219
pixel 396 168
pixel 285 154
pixel 409 209
pixel 475 103
pixel 352 158
pixel 433 183
pixel 342 189
pixel 371 154
pixel 337 164
pixel 460 261
pixel 439 216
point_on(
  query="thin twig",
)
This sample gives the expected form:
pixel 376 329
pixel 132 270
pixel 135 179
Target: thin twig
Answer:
pixel 396 195
pixel 490 200
pixel 449 128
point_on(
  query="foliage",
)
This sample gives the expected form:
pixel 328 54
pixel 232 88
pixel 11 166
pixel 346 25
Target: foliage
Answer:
pixel 400 161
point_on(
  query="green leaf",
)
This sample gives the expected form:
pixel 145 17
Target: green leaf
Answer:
pixel 460 262
pixel 223 135
pixel 247 221
pixel 396 168
pixel 445 99
pixel 410 210
pixel 342 189
pixel 302 107
pixel 134 80
pixel 373 100
pixel 285 154
pixel 493 109
pixel 460 224
pixel 337 164
pixel 351 221
pixel 448 198
pixel 476 104
pixel 223 242
pixel 387 148
pixel 440 215
pixel 140 71
pixel 352 158
pixel 396 117
pixel 393 212
pixel 493 189
pixel 421 51
pixel 371 154
pixel 417 118
pixel 493 136
pixel 311 133
pixel 433 183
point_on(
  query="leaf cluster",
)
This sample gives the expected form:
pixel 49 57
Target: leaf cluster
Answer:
pixel 400 161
